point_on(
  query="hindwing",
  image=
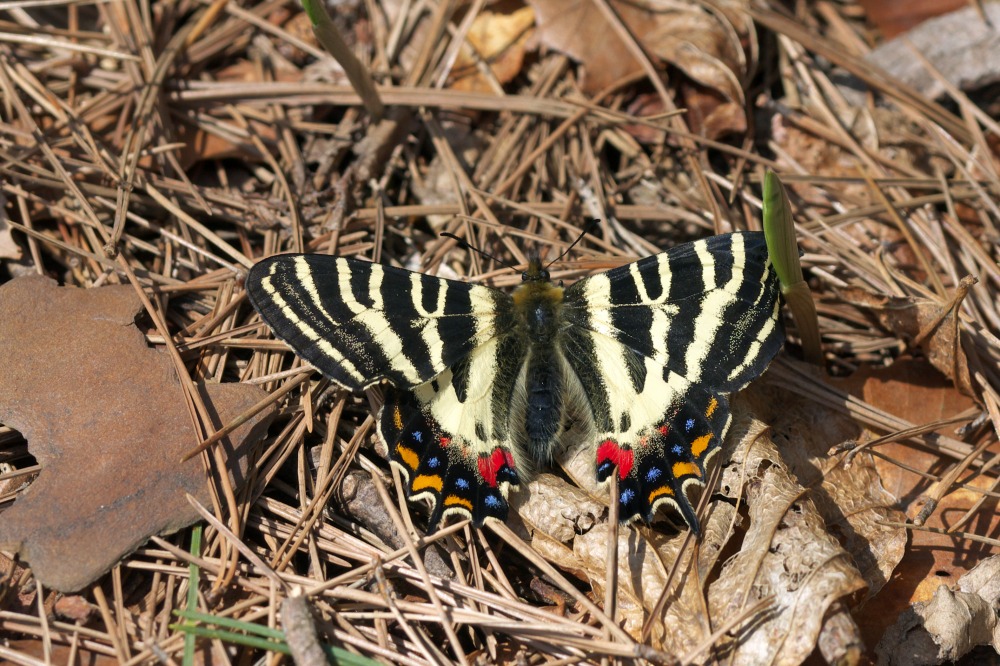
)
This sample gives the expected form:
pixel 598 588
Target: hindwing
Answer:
pixel 450 352
pixel 454 438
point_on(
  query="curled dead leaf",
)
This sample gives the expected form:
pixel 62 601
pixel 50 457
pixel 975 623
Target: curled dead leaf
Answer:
pixel 499 40
pixel 805 554
pixel 928 324
pixel 569 527
pixel 913 390
pixel 951 624
pixel 787 556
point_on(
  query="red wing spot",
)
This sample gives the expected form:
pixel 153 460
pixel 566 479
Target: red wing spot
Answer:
pixel 664 429
pixel 444 441
pixel 490 465
pixel 621 458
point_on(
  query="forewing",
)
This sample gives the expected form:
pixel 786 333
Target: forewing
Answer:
pixel 656 345
pixel 360 323
pixel 706 310
pixel 451 437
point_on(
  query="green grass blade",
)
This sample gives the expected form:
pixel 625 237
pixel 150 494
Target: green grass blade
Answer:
pixel 779 231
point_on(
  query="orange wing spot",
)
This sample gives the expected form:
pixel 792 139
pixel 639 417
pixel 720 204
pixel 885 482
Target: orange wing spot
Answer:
pixel 685 468
pixel 699 445
pixel 659 492
pixel 397 417
pixel 455 500
pixel 427 481
pixel 408 456
pixel 712 405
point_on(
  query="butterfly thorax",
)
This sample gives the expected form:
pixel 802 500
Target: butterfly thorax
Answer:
pixel 538 304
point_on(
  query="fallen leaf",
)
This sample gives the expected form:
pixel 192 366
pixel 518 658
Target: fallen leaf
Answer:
pixel 811 544
pixel 569 528
pixel 788 554
pixel 75 608
pixel 951 624
pixel 499 40
pixel 913 390
pixel 704 46
pixel 105 417
pixel 933 325
pixel 892 17
pixel 959 45
pixel 9 249
pixel 59 653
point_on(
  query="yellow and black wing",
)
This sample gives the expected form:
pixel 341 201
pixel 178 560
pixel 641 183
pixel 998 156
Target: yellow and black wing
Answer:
pixel 656 346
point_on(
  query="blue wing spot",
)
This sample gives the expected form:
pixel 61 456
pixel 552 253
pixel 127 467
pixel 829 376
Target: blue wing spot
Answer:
pixel 418 436
pixel 492 501
pixel 603 466
pixel 688 425
pixel 678 450
pixel 653 474
pixel 462 483
pixel 626 497
pixel 433 462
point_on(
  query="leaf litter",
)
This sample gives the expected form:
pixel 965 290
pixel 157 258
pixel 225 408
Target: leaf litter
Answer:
pixel 233 136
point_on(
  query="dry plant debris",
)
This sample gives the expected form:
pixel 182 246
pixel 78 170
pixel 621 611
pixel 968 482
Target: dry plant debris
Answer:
pixel 951 624
pixel 107 423
pixel 168 146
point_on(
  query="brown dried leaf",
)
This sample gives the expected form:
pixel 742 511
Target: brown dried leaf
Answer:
pixel 9 249
pixel 960 45
pixel 951 624
pixel 59 653
pixel 106 419
pixel 499 40
pixel 912 318
pixel 702 45
pixel 801 507
pixel 787 555
pixel 570 529
pixel 913 390
pixel 850 497
pixel 892 17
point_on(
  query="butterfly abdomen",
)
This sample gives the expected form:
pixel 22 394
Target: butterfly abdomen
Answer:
pixel 538 303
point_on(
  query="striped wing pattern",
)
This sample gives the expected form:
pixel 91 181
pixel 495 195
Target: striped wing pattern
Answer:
pixel 647 353
pixel 656 345
pixel 360 323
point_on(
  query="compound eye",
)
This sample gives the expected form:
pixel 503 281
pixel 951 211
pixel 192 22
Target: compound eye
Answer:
pixel 544 275
pixel 524 276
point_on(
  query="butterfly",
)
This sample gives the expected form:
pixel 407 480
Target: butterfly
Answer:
pixel 482 385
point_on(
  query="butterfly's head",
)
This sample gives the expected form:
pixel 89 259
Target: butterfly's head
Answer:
pixel 535 272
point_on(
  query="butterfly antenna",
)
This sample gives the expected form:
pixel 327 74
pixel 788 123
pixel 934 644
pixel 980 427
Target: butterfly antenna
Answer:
pixel 586 230
pixel 465 245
